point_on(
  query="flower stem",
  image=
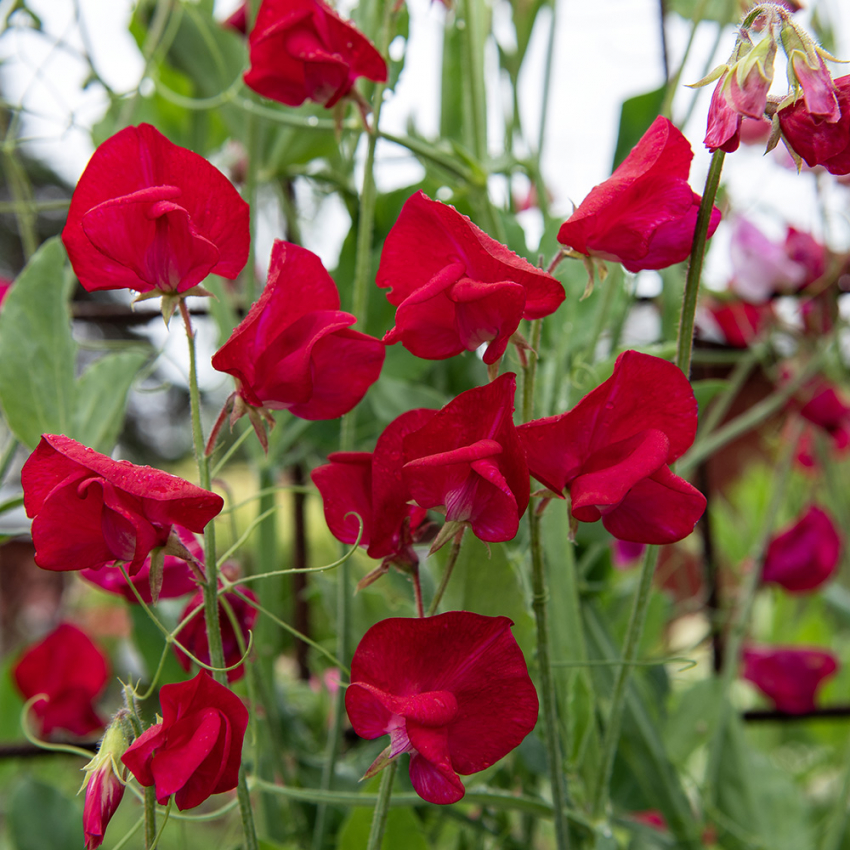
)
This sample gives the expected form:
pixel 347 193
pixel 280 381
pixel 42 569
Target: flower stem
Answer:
pixel 634 632
pixel 447 573
pixel 210 589
pixel 382 807
pixel 685 342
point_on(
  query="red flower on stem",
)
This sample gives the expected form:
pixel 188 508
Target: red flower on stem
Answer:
pixel 302 50
pixel 154 217
pixel 91 511
pixel 456 288
pixel 827 410
pixel 645 214
pixel 790 676
pixel 104 785
pixel 194 634
pixel 739 322
pixel 196 750
pixel 451 690
pixel 294 350
pixel 371 485
pixel 468 459
pixel 71 671
pixel 612 450
pixel 804 555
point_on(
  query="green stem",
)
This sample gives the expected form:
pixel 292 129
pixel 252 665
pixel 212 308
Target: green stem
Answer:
pixel 530 373
pixel 685 342
pixel 737 379
pixel 637 620
pixel 741 617
pixel 382 807
pixel 447 573
pixel 210 588
pixel 150 817
pixel 602 314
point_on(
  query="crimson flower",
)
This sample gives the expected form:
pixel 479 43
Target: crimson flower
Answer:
pixel 612 449
pixel 828 411
pixel 468 459
pixel 194 634
pixel 645 214
pixel 154 217
pixel 804 555
pixel 91 511
pixel 790 676
pixel 104 785
pixel 177 577
pixel 739 322
pixel 196 750
pixel 370 484
pixel 451 690
pixel 302 50
pixel 456 288
pixel 294 350
pixel 817 139
pixel 71 671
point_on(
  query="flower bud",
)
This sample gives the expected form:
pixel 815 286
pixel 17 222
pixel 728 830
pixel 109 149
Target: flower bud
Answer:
pixel 104 784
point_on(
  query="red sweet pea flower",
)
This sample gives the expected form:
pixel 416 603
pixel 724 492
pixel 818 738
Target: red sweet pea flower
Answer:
pixel 789 676
pixel 154 217
pixel 91 511
pixel 71 670
pixel 645 214
pixel 196 750
pixel 177 577
pixel 371 485
pixel 740 322
pixel 452 690
pixel 468 459
pixel 194 634
pixel 804 555
pixel 826 410
pixel 104 785
pixel 612 449
pixel 294 350
pixel 815 138
pixel 456 288
pixel 302 50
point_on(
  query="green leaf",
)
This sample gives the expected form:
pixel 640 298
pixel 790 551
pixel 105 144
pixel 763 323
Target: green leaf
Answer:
pixel 695 716
pixel 403 830
pixel 37 352
pixel 102 398
pixel 636 114
pixel 390 398
pixel 40 817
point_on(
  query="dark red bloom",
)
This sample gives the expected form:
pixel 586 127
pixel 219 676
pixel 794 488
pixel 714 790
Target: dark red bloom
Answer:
pixel 645 214
pixel 371 485
pixel 613 448
pixel 71 670
pixel 104 785
pixel 194 634
pixel 151 216
pixel 468 459
pixel 196 750
pixel 804 555
pixel 456 288
pixel 814 138
pixel 790 676
pixel 294 350
pixel 452 690
pixel 740 322
pixel 91 511
pixel 177 577
pixel 302 50
pixel 826 410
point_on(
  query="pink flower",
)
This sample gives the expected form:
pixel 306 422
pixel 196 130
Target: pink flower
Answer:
pixel 104 785
pixel 644 215
pixel 177 577
pixel 468 459
pixel 194 634
pixel 91 511
pixel 454 287
pixel 196 750
pixel 805 554
pixel 817 140
pixel 5 286
pixel 294 350
pixel 154 217
pixel 452 690
pixel 813 77
pixel 302 50
pixel 724 122
pixel 612 450
pixel 371 485
pixel 789 676
pixel 71 670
